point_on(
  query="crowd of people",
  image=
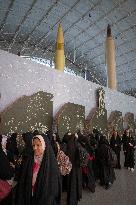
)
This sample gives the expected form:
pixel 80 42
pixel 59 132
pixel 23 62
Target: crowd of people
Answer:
pixel 32 169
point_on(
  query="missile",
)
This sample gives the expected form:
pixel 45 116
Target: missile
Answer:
pixel 59 51
pixel 110 60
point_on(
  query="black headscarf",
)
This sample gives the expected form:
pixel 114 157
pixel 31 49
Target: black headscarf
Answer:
pixel 71 142
pixel 36 132
pixel 12 144
pixel 6 171
pixel 48 184
pixel 27 137
pixel 103 140
pixel 74 179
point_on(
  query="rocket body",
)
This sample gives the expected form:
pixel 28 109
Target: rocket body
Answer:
pixel 110 61
pixel 59 52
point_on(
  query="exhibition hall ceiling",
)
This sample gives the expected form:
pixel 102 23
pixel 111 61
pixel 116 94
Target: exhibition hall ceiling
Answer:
pixel 29 28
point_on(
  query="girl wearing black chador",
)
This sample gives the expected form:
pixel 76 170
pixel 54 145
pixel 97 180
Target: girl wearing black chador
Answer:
pixel 115 143
pixel 107 174
pixel 39 182
pixel 6 170
pixel 12 145
pixel 88 178
pixel 129 146
pixel 74 179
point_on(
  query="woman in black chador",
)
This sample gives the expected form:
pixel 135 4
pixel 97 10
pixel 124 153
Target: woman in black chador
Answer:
pixel 115 143
pixel 74 179
pixel 88 178
pixel 27 138
pixel 12 145
pixel 129 146
pixel 39 182
pixel 107 174
pixel 6 171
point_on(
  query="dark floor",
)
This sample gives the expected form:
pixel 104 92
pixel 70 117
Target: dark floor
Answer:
pixel 123 191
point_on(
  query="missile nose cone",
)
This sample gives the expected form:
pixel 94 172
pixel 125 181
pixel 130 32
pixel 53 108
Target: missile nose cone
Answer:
pixel 60 37
pixel 59 28
pixel 109 31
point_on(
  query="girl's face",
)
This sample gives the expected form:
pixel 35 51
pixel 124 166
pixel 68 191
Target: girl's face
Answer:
pixel 37 147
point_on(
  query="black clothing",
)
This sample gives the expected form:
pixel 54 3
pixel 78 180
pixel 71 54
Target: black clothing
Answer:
pixel 94 142
pixel 50 136
pixel 74 179
pixel 115 144
pixel 96 166
pixel 125 140
pixel 27 137
pixel 24 154
pixel 12 145
pixel 48 183
pixel 97 135
pixel 88 172
pixel 107 174
pixel 6 173
pixel 129 149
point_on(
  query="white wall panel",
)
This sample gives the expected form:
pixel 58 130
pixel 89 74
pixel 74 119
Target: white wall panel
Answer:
pixel 20 76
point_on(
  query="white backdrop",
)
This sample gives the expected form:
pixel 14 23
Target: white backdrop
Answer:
pixel 21 76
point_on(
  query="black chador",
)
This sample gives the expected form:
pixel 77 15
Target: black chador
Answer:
pixel 48 183
pixel 74 179
pixel 12 145
pixel 129 150
pixel 6 172
pixel 107 174
pixel 27 137
pixel 125 141
pixel 88 172
pixel 115 143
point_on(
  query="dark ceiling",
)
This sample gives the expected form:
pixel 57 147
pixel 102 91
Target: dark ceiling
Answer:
pixel 30 27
